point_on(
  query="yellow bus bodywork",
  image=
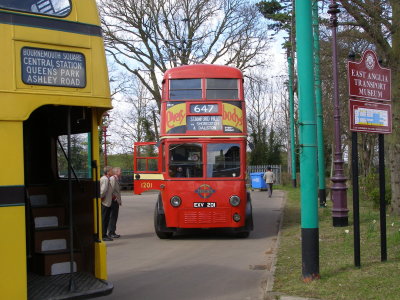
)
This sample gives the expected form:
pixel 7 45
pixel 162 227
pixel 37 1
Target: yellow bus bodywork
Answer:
pixel 12 217
pixel 18 100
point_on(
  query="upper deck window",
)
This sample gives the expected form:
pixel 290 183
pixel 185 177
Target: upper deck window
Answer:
pixel 58 8
pixel 222 89
pixel 185 89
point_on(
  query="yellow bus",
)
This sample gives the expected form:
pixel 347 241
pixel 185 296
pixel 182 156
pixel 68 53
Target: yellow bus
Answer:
pixel 53 91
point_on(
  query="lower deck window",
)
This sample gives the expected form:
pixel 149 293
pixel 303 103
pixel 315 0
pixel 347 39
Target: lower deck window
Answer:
pixel 185 160
pixel 223 160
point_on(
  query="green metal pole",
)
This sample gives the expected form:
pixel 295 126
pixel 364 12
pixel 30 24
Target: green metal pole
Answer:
pixel 292 129
pixel 318 102
pixel 308 147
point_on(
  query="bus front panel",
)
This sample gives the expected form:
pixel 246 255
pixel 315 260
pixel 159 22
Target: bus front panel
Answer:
pixel 205 204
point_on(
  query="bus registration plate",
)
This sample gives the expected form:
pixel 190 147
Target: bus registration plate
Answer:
pixel 204 204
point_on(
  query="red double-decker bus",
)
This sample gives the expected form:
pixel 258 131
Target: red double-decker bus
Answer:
pixel 199 165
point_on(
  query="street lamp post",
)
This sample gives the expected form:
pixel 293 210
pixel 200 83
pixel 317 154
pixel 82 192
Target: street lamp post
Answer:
pixel 339 188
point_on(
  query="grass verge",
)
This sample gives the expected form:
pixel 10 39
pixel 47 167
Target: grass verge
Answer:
pixel 340 279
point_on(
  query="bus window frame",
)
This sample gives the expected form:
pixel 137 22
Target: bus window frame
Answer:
pixel 168 158
pixel 166 90
pixel 207 163
pixel 206 89
pixel 4 7
pixel 158 158
pixel 163 168
pixel 204 161
pixel 88 149
pixel 188 89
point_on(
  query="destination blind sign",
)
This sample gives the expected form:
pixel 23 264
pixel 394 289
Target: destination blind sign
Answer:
pixel 53 68
pixel 204 123
pixel 204 108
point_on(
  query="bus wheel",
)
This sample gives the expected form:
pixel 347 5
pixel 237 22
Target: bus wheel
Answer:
pixel 249 214
pixel 159 223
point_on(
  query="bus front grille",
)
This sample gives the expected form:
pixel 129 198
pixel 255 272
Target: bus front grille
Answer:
pixel 205 217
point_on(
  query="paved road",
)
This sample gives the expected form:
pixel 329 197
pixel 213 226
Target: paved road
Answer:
pixel 208 265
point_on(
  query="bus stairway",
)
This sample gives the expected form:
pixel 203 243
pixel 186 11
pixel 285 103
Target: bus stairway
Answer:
pixel 50 238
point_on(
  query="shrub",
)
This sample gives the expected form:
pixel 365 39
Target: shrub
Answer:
pixel 369 189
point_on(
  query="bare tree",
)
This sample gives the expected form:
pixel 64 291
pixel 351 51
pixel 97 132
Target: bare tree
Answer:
pixel 257 103
pixel 282 117
pixel 133 117
pixel 155 35
pixel 264 97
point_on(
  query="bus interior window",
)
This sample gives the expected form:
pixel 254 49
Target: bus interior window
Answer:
pixel 223 160
pixel 141 164
pixel 79 155
pixel 51 7
pixel 181 89
pixel 152 164
pixel 222 89
pixel 47 7
pixel 179 172
pixel 17 4
pixel 185 160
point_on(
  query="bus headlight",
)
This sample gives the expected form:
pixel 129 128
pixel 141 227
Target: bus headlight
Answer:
pixel 176 201
pixel 236 217
pixel 234 200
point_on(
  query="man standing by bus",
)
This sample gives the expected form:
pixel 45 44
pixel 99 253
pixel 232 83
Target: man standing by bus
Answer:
pixel 106 192
pixel 116 202
pixel 269 178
